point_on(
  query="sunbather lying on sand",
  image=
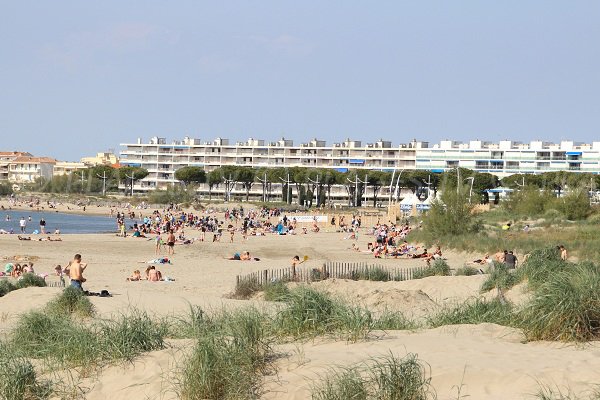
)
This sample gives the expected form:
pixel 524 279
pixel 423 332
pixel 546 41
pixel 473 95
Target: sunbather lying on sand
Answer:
pixel 245 256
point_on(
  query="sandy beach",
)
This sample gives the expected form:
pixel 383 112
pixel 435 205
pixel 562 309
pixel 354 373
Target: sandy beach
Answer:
pixel 489 361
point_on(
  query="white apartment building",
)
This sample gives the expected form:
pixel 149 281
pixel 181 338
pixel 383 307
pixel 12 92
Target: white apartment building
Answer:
pixel 507 157
pixel 6 158
pixel 502 158
pixel 162 159
pixel 26 169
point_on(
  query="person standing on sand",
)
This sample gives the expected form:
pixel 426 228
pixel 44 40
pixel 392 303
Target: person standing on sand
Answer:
pixel 158 241
pixel 75 270
pixel 171 243
pixel 295 262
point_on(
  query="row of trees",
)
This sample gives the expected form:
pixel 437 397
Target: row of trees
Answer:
pixel 98 179
pixel 313 185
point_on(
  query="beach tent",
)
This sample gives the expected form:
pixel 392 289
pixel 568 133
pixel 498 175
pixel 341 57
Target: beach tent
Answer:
pixel 407 203
pixel 426 204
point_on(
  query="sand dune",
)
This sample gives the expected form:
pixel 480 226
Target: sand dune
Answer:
pixel 494 361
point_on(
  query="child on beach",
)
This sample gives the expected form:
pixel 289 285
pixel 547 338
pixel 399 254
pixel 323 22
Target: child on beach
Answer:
pixel 136 276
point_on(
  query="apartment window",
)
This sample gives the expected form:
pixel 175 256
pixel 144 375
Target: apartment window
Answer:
pixel 543 155
pixel 451 164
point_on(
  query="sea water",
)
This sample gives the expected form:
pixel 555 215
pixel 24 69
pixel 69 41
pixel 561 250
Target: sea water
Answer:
pixel 66 223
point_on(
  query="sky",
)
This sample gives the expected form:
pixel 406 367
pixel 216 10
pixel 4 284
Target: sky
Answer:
pixel 80 77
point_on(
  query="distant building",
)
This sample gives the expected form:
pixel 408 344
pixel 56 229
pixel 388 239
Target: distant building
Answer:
pixel 26 169
pixel 67 167
pixel 105 158
pixel 508 157
pixel 6 157
pixel 162 159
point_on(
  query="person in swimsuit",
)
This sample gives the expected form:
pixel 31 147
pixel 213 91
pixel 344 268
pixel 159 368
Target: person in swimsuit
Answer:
pixel 75 270
pixel 171 242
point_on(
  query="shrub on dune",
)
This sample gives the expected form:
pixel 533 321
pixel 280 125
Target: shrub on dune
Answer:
pixel 29 279
pixel 18 379
pixel 386 378
pixel 474 312
pixel 6 286
pixel 71 301
pixel 566 306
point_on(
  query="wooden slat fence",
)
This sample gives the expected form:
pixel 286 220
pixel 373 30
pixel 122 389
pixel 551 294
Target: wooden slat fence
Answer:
pixel 331 270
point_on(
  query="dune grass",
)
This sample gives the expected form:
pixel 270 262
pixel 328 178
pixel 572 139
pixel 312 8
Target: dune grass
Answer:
pixel 6 286
pixel 18 378
pixel 566 307
pixel 246 288
pixel 310 312
pixel 232 353
pixel 59 339
pixel 500 278
pixel 29 279
pixel 71 301
pixel 437 268
pixel 466 270
pixel 386 378
pixel 276 291
pixel 476 311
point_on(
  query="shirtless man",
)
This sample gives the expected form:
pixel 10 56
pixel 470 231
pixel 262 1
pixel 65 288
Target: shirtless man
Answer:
pixel 75 270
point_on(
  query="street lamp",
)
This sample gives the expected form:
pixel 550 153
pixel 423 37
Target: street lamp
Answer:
pixel 472 178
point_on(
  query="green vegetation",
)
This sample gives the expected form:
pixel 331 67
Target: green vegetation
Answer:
pixel 500 278
pixel 5 189
pixel 476 311
pixel 388 377
pixel 6 286
pixel 232 352
pixel 276 291
pixel 566 306
pixel 29 279
pixel 451 215
pixel 18 379
pixel 466 270
pixel 71 301
pixel 246 288
pixel 438 267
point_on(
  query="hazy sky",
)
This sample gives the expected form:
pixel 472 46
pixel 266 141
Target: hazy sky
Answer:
pixel 78 77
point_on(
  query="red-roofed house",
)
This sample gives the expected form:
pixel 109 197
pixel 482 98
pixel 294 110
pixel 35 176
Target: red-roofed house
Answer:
pixel 26 169
pixel 6 157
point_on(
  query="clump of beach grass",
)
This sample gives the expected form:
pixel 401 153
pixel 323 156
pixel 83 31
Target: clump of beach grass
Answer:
pixel 57 338
pixel 371 274
pixel 566 307
pixel 246 288
pixel 71 301
pixel 541 264
pixel 18 378
pixel 130 335
pixel 476 311
pixel 389 377
pixel 229 358
pixel 438 267
pixel 276 291
pixel 466 270
pixel 310 312
pixel 52 337
pixel 29 279
pixel 341 384
pixel 500 278
pixel 6 286
pixel 393 321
